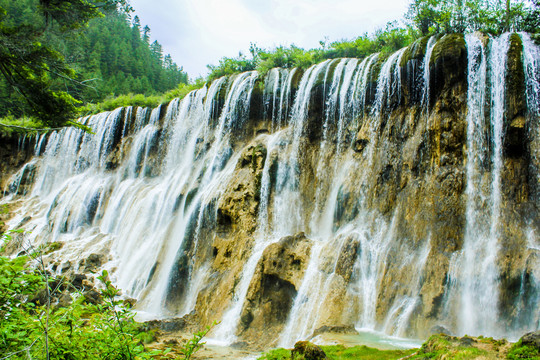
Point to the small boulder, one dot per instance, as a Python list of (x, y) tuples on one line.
[(439, 329), (335, 329), (532, 339), (92, 297), (308, 350), (93, 262)]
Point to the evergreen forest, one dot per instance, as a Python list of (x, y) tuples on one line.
[(76, 52)]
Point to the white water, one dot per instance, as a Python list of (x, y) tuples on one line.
[(474, 271), (426, 85)]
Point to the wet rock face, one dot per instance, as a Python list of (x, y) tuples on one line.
[(273, 288), (232, 242), (14, 153), (237, 207)]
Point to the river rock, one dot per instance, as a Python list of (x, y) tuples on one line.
[(532, 339), (308, 351)]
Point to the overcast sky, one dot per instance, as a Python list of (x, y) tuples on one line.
[(200, 32)]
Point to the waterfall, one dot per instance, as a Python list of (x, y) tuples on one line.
[(474, 271), (346, 162), (426, 78), (531, 60)]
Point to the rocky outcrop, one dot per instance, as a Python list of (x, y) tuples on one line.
[(236, 218), (273, 288), (15, 152)]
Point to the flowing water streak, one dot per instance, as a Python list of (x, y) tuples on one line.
[(427, 58), (531, 64), (476, 267), (324, 172), (477, 225), (362, 86), (276, 96), (213, 176), (146, 210), (382, 97), (225, 332), (304, 314), (284, 100), (346, 104), (300, 322), (397, 319), (272, 88), (335, 174), (202, 199), (288, 219), (234, 110), (287, 206)]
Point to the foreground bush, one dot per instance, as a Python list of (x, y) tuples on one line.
[(32, 327)]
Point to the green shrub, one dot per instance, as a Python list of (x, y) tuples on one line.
[(31, 329), (520, 351)]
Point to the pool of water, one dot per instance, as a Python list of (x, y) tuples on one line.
[(369, 338)]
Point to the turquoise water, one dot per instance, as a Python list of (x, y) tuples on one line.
[(369, 338)]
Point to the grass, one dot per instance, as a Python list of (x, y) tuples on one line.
[(340, 352), (520, 351), (151, 101), (10, 125)]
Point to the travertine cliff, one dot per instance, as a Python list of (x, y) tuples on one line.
[(396, 193)]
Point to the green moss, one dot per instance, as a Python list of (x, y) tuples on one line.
[(415, 51), (451, 45), (520, 351), (54, 246), (340, 352), (276, 354), (364, 352)]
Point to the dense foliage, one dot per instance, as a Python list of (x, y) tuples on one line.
[(390, 39), (55, 54), (491, 16), (116, 58), (424, 17), (102, 327)]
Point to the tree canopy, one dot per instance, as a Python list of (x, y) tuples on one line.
[(490, 16), (57, 54)]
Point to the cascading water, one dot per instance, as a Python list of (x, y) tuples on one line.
[(148, 193), (477, 275), (426, 78), (474, 271), (531, 60)]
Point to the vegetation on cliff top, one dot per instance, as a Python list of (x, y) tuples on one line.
[(424, 18)]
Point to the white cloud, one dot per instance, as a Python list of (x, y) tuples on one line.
[(200, 32)]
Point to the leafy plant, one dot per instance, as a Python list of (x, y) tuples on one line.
[(32, 327), (520, 351), (194, 344)]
